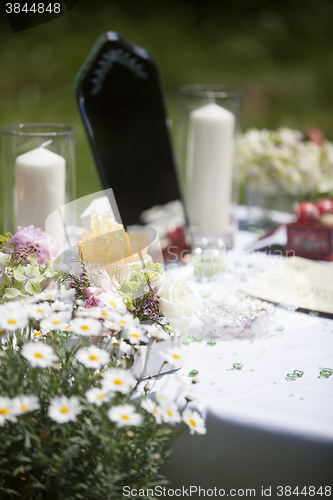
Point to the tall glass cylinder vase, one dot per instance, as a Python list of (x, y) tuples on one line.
[(208, 125), (38, 164)]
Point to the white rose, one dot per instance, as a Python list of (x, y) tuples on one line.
[(178, 303)]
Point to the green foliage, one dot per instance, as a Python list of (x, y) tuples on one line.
[(88, 459), (135, 285), (4, 238)]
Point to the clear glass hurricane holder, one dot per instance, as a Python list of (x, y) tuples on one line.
[(38, 164), (208, 126)]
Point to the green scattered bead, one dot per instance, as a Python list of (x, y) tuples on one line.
[(280, 328), (237, 366), (193, 373), (291, 376), (205, 294), (190, 338), (299, 373), (186, 342), (314, 314), (196, 338), (326, 372), (211, 342)]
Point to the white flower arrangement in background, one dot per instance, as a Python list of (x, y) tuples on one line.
[(288, 160)]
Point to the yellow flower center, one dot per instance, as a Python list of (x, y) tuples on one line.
[(169, 413), (136, 335), (56, 322), (40, 310), (112, 303), (125, 417), (3, 411), (93, 357), (122, 321), (104, 314), (100, 396), (48, 296), (85, 327), (38, 333), (39, 355), (193, 422), (12, 321), (24, 407), (175, 356), (118, 382), (64, 409)]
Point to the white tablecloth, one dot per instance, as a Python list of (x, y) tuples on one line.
[(262, 430)]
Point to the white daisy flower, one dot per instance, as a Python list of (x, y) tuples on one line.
[(85, 326), (156, 332), (124, 415), (162, 398), (16, 305), (124, 347), (38, 354), (91, 312), (194, 421), (58, 306), (7, 410), (93, 357), (48, 295), (98, 396), (107, 314), (153, 408), (25, 404), (112, 301), (135, 335), (3, 334), (173, 356), (118, 380), (37, 311), (12, 320), (170, 413), (126, 320), (112, 323), (63, 409), (56, 321)]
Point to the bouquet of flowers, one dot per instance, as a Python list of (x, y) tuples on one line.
[(74, 421), (286, 160)]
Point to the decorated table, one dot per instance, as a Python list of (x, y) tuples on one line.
[(263, 431)]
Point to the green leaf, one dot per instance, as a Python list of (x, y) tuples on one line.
[(5, 279), (32, 286), (32, 258), (12, 292), (19, 274), (4, 259)]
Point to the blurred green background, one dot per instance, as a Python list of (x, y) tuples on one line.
[(279, 52)]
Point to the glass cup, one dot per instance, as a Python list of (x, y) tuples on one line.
[(208, 126), (38, 163)]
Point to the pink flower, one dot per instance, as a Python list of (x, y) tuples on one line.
[(314, 135), (30, 240), (105, 282), (92, 294)]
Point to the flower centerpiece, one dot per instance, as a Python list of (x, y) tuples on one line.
[(284, 163), (75, 422)]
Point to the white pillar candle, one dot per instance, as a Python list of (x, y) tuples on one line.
[(209, 168), (40, 187)]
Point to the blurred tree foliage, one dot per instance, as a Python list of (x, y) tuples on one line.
[(280, 52)]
